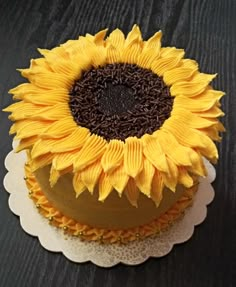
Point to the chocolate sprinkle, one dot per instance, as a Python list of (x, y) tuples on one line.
[(117, 101)]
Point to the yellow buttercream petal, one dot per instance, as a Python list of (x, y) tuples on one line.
[(192, 138), (157, 188), (68, 68), (131, 53), (73, 141), (92, 150), (144, 178), (170, 146), (41, 161), (24, 89), (96, 54), (21, 110), (171, 52), (26, 143), (193, 104), (197, 163), (78, 185), (161, 65), (210, 94), (99, 37), (104, 187), (185, 178), (133, 156), (42, 147), (118, 178), (192, 120), (154, 42), (147, 57), (39, 62), (55, 174), (116, 39), (170, 179), (190, 64), (131, 192), (213, 112), (50, 81), (113, 55), (52, 113), (57, 51), (180, 154), (29, 128), (48, 97), (212, 132), (154, 153), (63, 160), (192, 88), (90, 175), (60, 128), (113, 155), (178, 74), (134, 34)]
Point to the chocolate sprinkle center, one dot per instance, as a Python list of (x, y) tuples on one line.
[(117, 101)]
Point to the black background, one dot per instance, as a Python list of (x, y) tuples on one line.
[(206, 30)]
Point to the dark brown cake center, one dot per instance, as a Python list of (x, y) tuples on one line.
[(120, 100)]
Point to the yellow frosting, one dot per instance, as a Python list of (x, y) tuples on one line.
[(168, 157)]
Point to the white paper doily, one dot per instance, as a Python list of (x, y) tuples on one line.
[(53, 239)]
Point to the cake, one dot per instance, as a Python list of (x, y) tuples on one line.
[(115, 130)]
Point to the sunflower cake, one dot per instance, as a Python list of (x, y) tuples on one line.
[(115, 129)]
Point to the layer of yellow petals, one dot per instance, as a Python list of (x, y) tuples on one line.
[(167, 157)]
